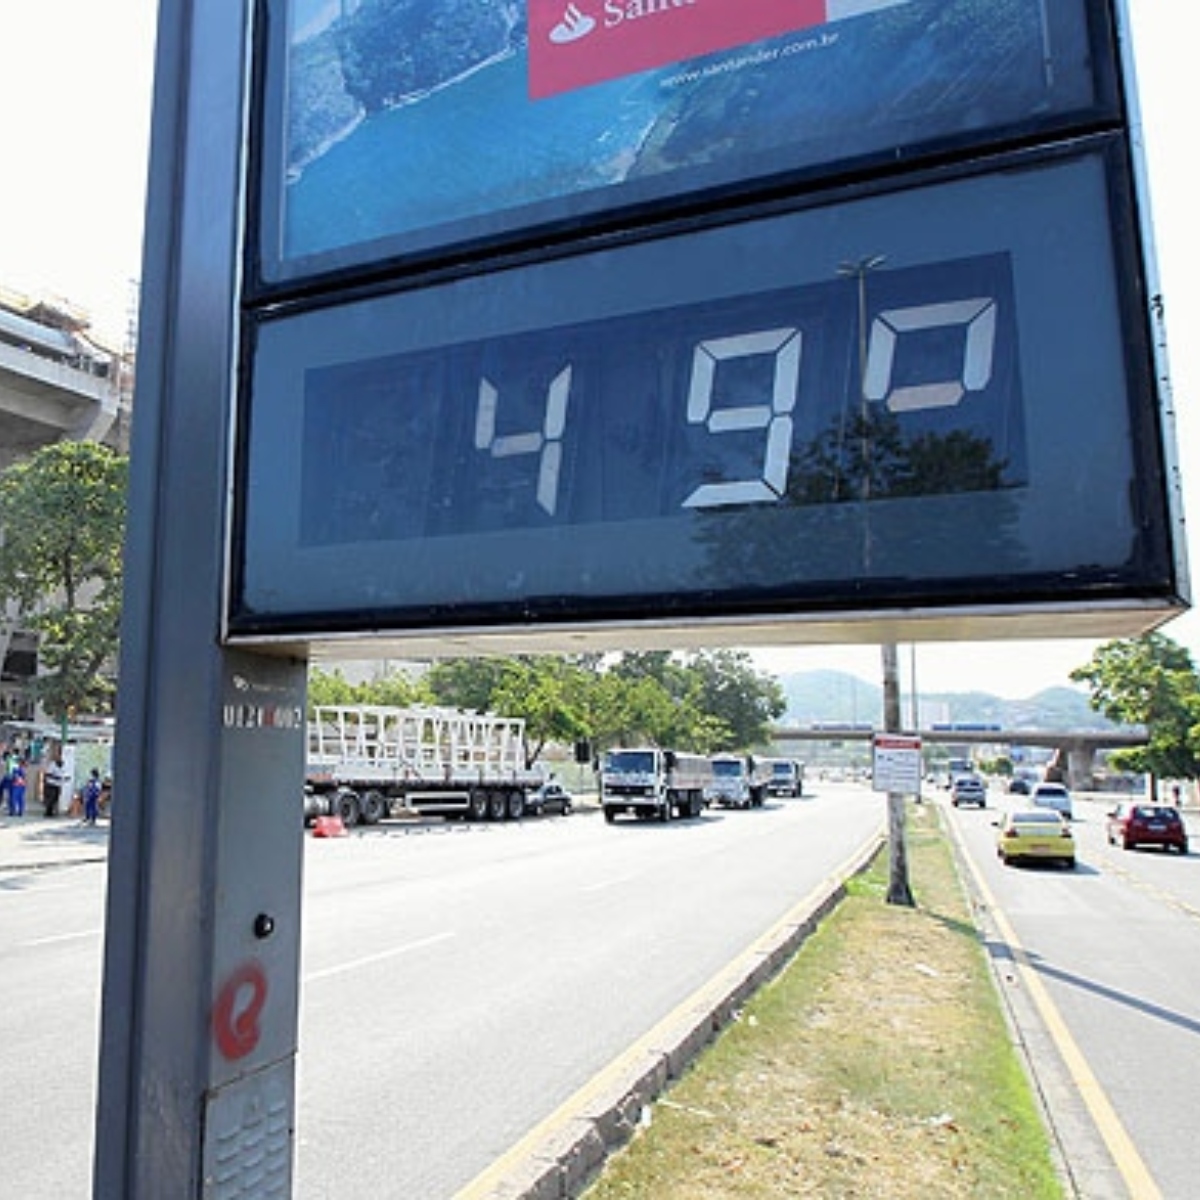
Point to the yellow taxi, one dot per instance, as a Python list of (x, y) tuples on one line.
[(1042, 835)]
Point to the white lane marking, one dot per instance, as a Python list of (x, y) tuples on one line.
[(65, 937), (395, 952)]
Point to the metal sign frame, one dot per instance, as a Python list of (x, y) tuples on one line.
[(369, 502)]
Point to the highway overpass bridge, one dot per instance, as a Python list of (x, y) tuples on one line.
[(1074, 750), (56, 384)]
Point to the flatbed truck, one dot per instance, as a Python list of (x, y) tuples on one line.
[(369, 762)]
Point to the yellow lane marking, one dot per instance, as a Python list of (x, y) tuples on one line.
[(1128, 1161), (1109, 863)]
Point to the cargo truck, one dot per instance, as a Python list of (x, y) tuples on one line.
[(368, 762), (786, 777), (653, 784), (738, 781)]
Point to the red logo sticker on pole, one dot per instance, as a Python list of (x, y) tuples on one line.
[(574, 43), (237, 1009)]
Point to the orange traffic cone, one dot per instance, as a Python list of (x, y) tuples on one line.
[(328, 827)]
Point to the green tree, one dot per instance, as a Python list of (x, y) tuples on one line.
[(62, 517), (548, 694), (726, 688), (396, 690), (1149, 680), (466, 683), (329, 688)]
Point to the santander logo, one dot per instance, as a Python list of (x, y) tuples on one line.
[(575, 43), (572, 27), (576, 24)]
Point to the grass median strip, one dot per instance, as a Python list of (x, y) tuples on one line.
[(877, 1064)]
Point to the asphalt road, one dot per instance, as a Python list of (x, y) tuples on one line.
[(459, 982), (1109, 958)]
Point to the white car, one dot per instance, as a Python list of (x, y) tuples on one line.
[(1055, 796), (968, 789)]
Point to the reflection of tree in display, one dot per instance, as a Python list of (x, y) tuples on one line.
[(870, 456), (940, 513)]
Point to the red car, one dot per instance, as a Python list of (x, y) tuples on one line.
[(1147, 825)]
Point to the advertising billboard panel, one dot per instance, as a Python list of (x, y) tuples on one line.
[(399, 131)]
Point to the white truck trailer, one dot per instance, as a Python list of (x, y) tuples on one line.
[(738, 781), (653, 784), (367, 762)]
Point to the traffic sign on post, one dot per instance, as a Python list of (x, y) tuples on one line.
[(896, 763), (472, 325)]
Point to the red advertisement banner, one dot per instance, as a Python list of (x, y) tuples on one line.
[(574, 43)]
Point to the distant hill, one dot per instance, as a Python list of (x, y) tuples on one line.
[(828, 696)]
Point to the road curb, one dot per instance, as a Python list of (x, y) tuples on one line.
[(560, 1156)]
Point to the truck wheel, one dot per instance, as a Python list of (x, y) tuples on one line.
[(609, 816), (664, 813), (374, 808), (477, 805), (516, 805), (497, 806), (345, 805)]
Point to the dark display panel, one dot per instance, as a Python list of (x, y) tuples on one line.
[(908, 398), (401, 129), (751, 402)]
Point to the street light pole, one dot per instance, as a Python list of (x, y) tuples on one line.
[(899, 891)]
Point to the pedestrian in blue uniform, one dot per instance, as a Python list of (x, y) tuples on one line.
[(16, 789), (91, 797), (7, 762)]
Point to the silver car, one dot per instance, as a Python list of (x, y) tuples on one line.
[(968, 789), (1055, 796)]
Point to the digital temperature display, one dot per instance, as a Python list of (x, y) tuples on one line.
[(726, 404), (923, 397)]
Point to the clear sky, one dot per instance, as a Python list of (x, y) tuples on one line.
[(75, 80)]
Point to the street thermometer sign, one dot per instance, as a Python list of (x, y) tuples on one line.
[(570, 323), (479, 325)]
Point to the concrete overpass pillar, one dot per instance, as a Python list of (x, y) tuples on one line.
[(1074, 765), (1081, 762)]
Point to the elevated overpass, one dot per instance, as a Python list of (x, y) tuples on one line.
[(1075, 750), (56, 384)]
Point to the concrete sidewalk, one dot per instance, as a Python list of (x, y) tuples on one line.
[(34, 842)]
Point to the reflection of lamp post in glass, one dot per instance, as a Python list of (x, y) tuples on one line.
[(858, 271), (898, 888)]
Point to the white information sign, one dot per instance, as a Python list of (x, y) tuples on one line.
[(896, 763)]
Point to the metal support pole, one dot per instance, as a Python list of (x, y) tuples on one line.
[(200, 995), (899, 891)]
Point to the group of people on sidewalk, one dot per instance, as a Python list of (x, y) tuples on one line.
[(14, 785)]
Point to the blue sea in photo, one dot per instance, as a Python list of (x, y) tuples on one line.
[(468, 143)]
